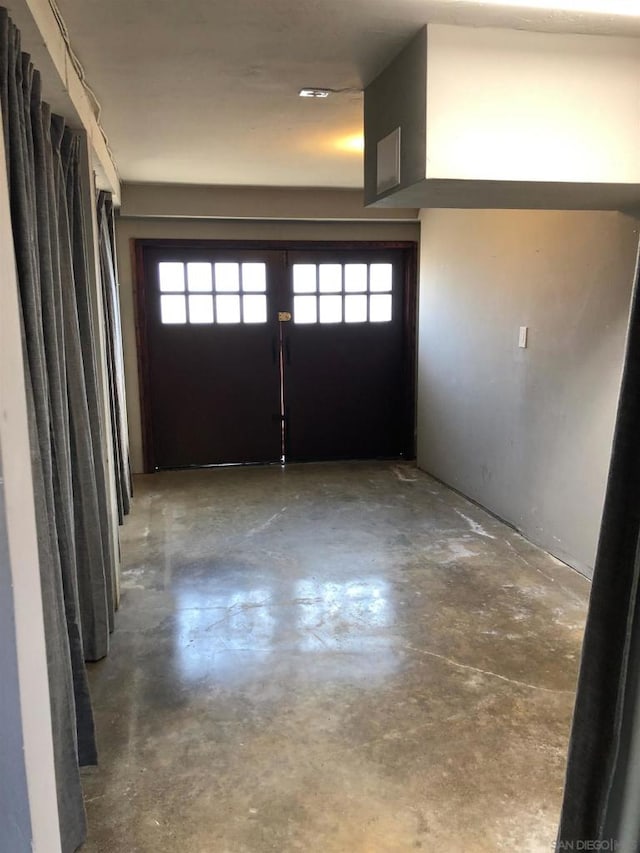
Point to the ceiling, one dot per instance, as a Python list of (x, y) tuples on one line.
[(205, 91)]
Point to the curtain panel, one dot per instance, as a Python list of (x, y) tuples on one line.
[(67, 433), (602, 790), (115, 361)]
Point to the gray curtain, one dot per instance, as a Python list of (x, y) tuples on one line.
[(71, 159), (111, 304), (67, 436), (95, 576), (602, 790)]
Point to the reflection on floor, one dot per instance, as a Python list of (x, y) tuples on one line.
[(336, 658)]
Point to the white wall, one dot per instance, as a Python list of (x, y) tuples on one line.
[(525, 432), (522, 106), (15, 818), (129, 229)]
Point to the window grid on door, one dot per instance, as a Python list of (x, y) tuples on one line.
[(342, 293), (204, 293)]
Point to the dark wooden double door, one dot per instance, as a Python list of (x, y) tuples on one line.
[(254, 354)]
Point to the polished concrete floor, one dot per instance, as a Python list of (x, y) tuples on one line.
[(336, 658)]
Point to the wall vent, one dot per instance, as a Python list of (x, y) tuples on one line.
[(388, 171)]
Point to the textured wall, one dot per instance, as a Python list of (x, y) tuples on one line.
[(525, 432)]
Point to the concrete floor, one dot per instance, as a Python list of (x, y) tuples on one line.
[(336, 658)]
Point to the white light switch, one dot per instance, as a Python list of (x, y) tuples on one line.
[(523, 337)]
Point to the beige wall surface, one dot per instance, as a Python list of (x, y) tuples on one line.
[(496, 111), (525, 432), (158, 201), (218, 229)]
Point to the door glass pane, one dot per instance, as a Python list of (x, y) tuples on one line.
[(199, 277), (171, 275), (355, 278), (227, 278), (304, 279), (228, 309), (380, 308), (355, 308), (330, 279), (201, 309), (254, 309), (173, 309), (380, 277), (254, 277), (305, 309), (331, 309)]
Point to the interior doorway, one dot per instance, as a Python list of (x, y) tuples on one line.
[(264, 353)]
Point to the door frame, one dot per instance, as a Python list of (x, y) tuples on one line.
[(409, 316)]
